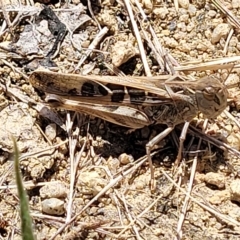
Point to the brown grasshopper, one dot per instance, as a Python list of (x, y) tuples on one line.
[(134, 102)]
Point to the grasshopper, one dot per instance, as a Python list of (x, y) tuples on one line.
[(134, 102)]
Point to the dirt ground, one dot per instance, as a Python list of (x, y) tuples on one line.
[(93, 174)]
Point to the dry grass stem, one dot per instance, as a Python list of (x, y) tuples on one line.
[(79, 134), (92, 46), (233, 20), (138, 38)]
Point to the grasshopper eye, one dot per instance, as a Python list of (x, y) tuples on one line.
[(210, 94)]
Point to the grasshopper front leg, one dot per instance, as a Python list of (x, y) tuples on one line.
[(149, 147), (157, 139), (181, 141)]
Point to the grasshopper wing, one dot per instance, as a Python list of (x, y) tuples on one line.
[(120, 115)]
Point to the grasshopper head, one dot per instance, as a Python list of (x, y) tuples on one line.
[(211, 96)]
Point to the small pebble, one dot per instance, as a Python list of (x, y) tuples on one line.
[(54, 190), (212, 13), (53, 206), (190, 26), (215, 179), (51, 131), (171, 42), (172, 25), (221, 30), (113, 164), (184, 3), (184, 18), (148, 6), (234, 141), (92, 182), (219, 197), (233, 42), (235, 190), (235, 3), (122, 51), (161, 12), (125, 158), (192, 10)]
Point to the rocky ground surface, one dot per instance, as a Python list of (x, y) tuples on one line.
[(95, 171)]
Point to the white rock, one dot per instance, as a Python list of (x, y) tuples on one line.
[(215, 179), (192, 10), (148, 6), (220, 31), (122, 51), (161, 12), (235, 3), (51, 131), (212, 13), (235, 190), (53, 206), (54, 190), (125, 158), (184, 3)]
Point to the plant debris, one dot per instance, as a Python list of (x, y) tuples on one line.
[(89, 179)]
